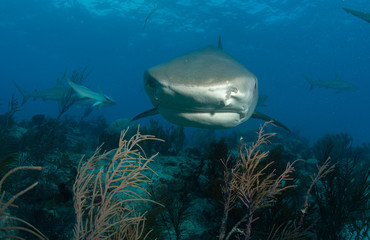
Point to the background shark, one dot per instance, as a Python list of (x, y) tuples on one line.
[(67, 96), (94, 99), (56, 93), (337, 84), (34, 52)]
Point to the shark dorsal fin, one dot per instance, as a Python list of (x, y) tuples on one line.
[(59, 83), (101, 92), (338, 78), (219, 42)]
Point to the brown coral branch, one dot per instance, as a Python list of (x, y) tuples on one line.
[(249, 184), (108, 187)]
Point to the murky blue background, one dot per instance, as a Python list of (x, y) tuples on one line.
[(279, 41)]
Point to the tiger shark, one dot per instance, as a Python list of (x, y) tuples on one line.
[(206, 88)]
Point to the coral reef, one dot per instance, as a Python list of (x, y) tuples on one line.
[(107, 189), (209, 185), (342, 198)]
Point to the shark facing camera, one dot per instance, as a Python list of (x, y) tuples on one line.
[(206, 88)]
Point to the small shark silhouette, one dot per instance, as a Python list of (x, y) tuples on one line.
[(363, 15), (337, 84), (79, 94), (96, 99), (54, 94)]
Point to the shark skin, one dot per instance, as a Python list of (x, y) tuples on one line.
[(337, 84), (363, 15), (80, 95), (53, 94), (206, 88), (94, 98)]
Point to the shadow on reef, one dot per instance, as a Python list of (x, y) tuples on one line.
[(8, 142), (208, 187), (173, 137), (342, 200)]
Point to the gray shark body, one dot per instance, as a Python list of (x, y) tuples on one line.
[(60, 92), (95, 99), (337, 84), (206, 88), (51, 94)]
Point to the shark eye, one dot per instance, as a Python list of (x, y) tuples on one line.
[(151, 82)]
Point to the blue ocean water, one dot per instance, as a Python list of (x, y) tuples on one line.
[(279, 41)]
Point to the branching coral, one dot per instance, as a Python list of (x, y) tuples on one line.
[(343, 197), (106, 189), (248, 184), (8, 223)]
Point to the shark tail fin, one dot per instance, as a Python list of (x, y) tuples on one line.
[(24, 93), (264, 117), (312, 84)]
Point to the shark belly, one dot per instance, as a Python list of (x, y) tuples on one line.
[(216, 120)]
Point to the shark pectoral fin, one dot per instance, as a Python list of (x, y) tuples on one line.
[(98, 103), (264, 117), (363, 15), (150, 112)]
